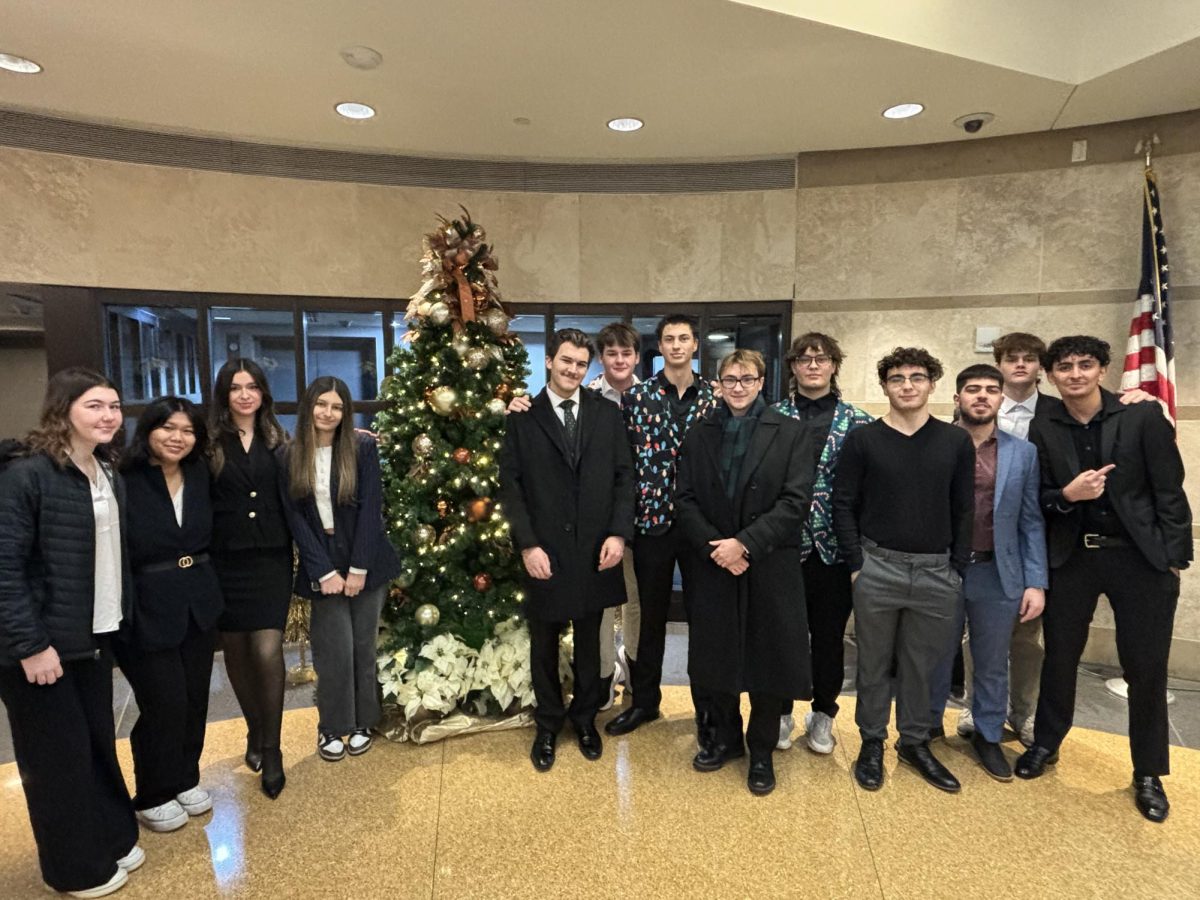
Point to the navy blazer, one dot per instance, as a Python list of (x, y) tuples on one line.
[(359, 540), (164, 599), (1018, 528)]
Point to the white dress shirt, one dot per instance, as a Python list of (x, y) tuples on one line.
[(557, 402), (607, 391), (323, 463), (1015, 416), (106, 606)]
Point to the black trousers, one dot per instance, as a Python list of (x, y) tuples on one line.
[(1143, 602), (830, 602), (764, 721), (547, 688), (171, 689), (65, 744), (654, 560)]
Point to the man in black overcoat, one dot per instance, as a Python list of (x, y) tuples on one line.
[(566, 488), (745, 480)]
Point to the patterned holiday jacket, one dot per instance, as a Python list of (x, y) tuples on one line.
[(656, 437), (818, 530)]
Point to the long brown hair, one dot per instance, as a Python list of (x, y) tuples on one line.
[(220, 419), (302, 454), (52, 435)]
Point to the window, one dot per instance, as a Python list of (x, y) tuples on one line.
[(346, 345), (263, 335), (152, 351)]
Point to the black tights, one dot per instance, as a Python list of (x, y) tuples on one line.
[(254, 661)]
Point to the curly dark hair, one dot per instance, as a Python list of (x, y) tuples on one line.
[(910, 356), (1076, 345), (822, 343)]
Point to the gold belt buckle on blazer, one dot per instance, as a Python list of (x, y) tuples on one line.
[(1091, 542), (185, 562)]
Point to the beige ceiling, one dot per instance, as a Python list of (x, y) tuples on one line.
[(713, 79)]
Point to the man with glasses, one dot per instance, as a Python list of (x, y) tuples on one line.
[(815, 360), (744, 477), (903, 503)]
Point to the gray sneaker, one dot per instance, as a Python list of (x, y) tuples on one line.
[(786, 725), (966, 724), (818, 732), (1023, 731), (166, 817)]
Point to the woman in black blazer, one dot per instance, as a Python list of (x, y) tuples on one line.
[(252, 553), (333, 496), (167, 652)]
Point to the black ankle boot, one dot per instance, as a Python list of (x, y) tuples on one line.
[(253, 757), (273, 778)]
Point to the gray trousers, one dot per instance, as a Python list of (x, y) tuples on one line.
[(1025, 657), (904, 610), (631, 621), (343, 632)]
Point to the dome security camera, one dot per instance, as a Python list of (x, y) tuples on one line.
[(973, 123)]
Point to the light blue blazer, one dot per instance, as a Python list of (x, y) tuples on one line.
[(1020, 530)]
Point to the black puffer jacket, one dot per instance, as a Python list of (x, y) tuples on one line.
[(47, 557)]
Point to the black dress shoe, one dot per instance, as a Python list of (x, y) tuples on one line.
[(991, 757), (273, 778), (922, 759), (761, 779), (1150, 798), (542, 752), (589, 743), (714, 756), (630, 719), (937, 733), (868, 769), (1033, 762)]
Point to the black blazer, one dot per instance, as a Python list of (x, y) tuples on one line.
[(247, 507), (359, 540), (568, 504), (748, 632), (1145, 488), (164, 599)]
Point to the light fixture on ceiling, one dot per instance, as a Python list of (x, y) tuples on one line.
[(903, 111), (354, 110), (716, 337), (360, 57), (626, 123), (18, 64)]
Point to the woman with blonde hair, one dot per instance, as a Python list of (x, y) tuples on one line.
[(64, 592)]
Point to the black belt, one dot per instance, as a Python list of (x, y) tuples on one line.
[(184, 562), (1104, 541), (981, 556)]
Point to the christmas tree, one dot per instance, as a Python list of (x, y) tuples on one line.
[(450, 636)]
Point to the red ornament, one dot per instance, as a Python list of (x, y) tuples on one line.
[(482, 582), (462, 456)]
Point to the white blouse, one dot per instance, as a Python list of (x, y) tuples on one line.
[(106, 607), (177, 502), (323, 461)]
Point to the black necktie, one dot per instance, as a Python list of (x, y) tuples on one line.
[(569, 423)]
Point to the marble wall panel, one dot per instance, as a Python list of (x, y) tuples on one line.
[(998, 236), (850, 331), (391, 223), (833, 242), (650, 247), (316, 230), (1179, 189), (537, 239), (237, 245), (1092, 227), (912, 239), (758, 245)]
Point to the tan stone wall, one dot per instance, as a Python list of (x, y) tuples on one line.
[(879, 262)]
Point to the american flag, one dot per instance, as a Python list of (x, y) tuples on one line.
[(1150, 353)]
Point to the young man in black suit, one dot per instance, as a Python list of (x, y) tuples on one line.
[(566, 488), (1118, 524)]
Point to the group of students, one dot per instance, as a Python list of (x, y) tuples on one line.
[(784, 519), (150, 557)]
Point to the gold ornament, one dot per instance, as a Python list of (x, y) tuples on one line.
[(496, 352), (425, 534), (481, 461), (476, 358), (495, 406), (461, 343), (495, 320), (504, 391), (406, 578), (422, 445), (427, 615), (439, 313), (443, 507), (478, 509), (443, 399), (423, 308)]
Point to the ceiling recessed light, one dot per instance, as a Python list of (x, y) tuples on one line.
[(19, 64), (625, 124), (717, 337), (351, 110), (903, 111)]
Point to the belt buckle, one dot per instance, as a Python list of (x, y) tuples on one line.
[(1091, 542), (186, 562)]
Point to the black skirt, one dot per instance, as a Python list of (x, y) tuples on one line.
[(257, 585)]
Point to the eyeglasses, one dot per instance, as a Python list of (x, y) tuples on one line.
[(916, 380), (746, 381), (806, 361)]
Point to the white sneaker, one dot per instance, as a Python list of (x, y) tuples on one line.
[(167, 817), (1023, 730), (818, 732), (966, 724), (359, 743), (133, 859), (330, 747), (619, 668), (101, 890), (195, 801), (612, 692), (623, 666), (786, 724)]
